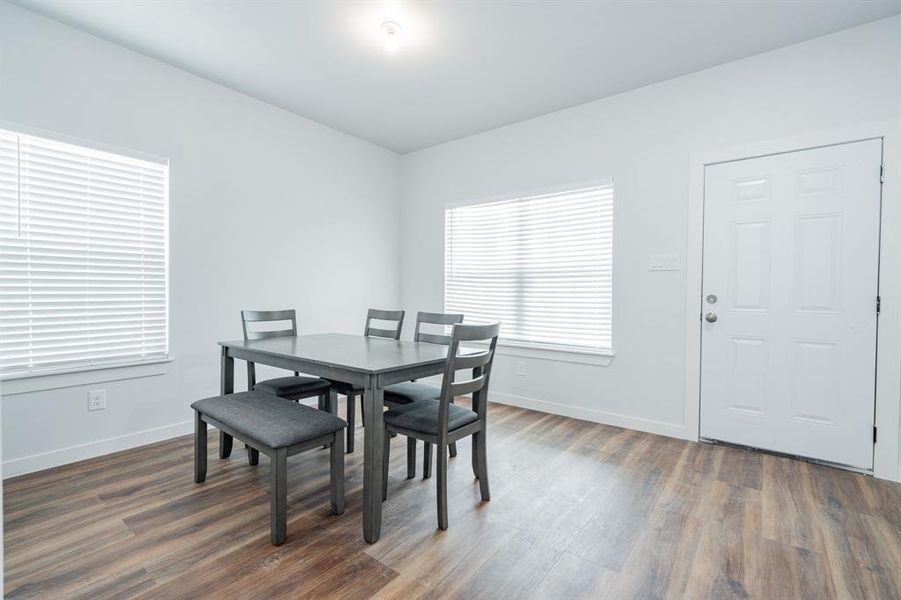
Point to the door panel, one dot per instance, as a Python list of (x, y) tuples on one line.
[(791, 251)]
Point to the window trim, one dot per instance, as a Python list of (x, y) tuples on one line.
[(23, 383), (600, 356), (32, 381)]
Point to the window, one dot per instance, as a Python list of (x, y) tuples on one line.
[(83, 257), (541, 265)]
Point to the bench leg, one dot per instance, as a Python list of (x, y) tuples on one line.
[(411, 458), (225, 445), (199, 448), (336, 474), (426, 460), (279, 496), (351, 417), (253, 456)]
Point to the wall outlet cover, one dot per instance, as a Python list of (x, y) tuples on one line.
[(97, 400)]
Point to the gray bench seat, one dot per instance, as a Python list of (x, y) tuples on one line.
[(272, 421), (277, 428)]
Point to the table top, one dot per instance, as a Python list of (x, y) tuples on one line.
[(353, 352)]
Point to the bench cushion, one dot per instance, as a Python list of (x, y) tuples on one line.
[(273, 421), (422, 416), (289, 387), (411, 391)]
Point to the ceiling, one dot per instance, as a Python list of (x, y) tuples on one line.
[(461, 67)]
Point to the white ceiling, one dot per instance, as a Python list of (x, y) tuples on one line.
[(462, 67)]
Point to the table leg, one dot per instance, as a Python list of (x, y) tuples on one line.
[(226, 386), (374, 433)]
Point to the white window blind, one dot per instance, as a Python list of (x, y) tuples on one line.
[(83, 265), (540, 265)]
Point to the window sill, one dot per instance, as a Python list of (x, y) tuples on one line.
[(36, 382), (601, 358)]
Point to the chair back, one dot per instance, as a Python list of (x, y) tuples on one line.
[(435, 319), (374, 314), (480, 362), (248, 317)]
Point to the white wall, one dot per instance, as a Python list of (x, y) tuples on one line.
[(644, 140), (268, 210)]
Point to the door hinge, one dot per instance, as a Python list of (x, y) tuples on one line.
[(878, 304), (881, 173), (874, 434)]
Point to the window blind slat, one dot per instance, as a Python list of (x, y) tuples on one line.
[(542, 265), (83, 266)]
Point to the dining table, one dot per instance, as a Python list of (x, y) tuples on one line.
[(370, 362)]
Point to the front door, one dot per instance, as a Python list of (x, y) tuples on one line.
[(790, 283)]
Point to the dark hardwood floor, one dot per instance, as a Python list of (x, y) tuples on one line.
[(578, 510)]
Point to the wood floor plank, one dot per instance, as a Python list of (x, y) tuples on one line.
[(578, 510), (575, 578)]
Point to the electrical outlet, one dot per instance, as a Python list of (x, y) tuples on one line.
[(97, 400), (520, 367), (664, 262)]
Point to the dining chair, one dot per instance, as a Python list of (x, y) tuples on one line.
[(442, 422), (353, 391), (409, 392), (295, 388)]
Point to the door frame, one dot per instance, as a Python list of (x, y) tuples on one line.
[(887, 450)]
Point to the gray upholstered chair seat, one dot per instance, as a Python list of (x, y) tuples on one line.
[(272, 421), (299, 385), (411, 391), (422, 416)]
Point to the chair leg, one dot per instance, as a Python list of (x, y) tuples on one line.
[(225, 445), (362, 411), (336, 474), (475, 457), (453, 449), (479, 443), (253, 456), (325, 405), (351, 417), (385, 459), (411, 458), (199, 448), (278, 513), (441, 459), (426, 460)]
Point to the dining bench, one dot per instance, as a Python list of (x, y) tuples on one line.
[(277, 428)]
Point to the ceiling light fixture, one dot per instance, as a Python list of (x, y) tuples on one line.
[(391, 31)]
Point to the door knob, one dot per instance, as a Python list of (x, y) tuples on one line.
[(710, 317)]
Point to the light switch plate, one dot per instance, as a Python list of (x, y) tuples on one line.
[(664, 262)]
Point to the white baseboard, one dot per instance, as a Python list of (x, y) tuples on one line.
[(596, 416), (63, 456)]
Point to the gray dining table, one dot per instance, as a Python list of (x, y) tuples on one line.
[(369, 362)]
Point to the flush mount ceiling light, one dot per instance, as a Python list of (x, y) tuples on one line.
[(391, 31)]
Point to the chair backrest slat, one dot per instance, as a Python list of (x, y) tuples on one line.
[(458, 388), (480, 363), (471, 361), (265, 335), (261, 316), (375, 314), (430, 318)]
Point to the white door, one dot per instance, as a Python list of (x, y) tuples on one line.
[(791, 254)]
